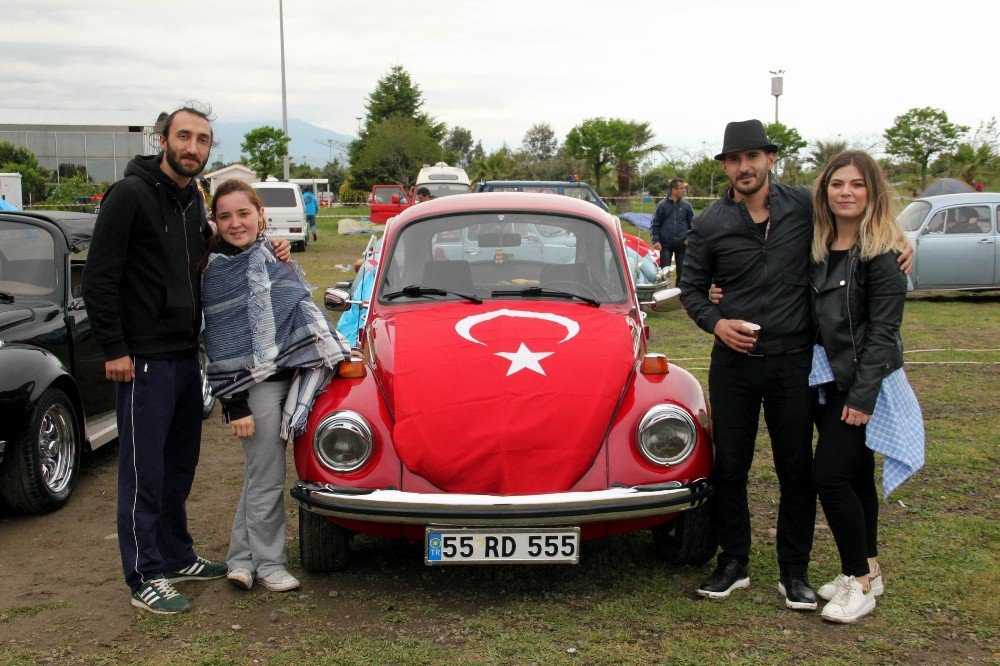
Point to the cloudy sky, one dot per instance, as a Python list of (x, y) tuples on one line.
[(498, 67)]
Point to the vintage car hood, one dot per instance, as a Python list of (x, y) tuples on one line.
[(503, 400), (13, 314)]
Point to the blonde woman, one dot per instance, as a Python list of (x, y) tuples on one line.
[(858, 296)]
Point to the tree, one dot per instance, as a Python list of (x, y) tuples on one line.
[(393, 153), (265, 148), (498, 165), (706, 177), (976, 160), (458, 147), (23, 161), (789, 143), (592, 141), (632, 143), (73, 187), (824, 150), (921, 133), (540, 142)]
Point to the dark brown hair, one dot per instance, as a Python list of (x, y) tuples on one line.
[(231, 186)]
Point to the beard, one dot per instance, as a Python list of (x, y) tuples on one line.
[(752, 189), (174, 160)]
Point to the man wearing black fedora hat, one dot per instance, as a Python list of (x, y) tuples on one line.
[(754, 243)]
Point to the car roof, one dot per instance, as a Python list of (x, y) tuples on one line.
[(536, 183), (275, 183), (962, 198), (512, 202), (77, 227)]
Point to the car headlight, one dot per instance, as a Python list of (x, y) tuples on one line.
[(343, 441), (667, 435)]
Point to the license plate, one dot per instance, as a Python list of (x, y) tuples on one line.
[(504, 546)]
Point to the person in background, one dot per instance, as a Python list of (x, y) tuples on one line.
[(670, 226), (312, 209), (265, 338), (141, 289), (423, 194), (857, 303)]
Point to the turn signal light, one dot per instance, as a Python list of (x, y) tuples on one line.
[(351, 369), (654, 364)]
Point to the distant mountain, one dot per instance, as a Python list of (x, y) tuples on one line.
[(306, 141)]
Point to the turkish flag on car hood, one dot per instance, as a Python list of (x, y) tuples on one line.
[(506, 401)]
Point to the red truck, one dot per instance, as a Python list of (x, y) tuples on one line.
[(388, 201)]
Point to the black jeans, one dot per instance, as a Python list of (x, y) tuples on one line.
[(673, 250), (739, 385), (844, 476)]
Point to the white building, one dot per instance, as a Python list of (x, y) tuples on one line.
[(237, 171)]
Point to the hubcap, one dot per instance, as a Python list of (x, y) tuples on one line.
[(57, 448)]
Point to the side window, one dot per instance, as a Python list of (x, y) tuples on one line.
[(937, 224), (968, 220)]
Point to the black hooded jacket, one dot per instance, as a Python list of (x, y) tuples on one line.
[(141, 282)]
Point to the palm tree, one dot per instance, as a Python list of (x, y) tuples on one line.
[(825, 150), (632, 142)]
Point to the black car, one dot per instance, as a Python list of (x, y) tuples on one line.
[(55, 402), (574, 189)]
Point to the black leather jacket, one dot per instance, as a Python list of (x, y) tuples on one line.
[(764, 280), (858, 309)]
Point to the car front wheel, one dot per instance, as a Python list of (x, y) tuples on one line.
[(323, 545), (43, 464), (687, 539)]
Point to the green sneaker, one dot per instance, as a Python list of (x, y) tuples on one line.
[(202, 569), (159, 596)]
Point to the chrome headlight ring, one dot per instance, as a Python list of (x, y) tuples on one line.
[(343, 441), (666, 435)]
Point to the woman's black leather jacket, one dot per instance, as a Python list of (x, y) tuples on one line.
[(858, 310)]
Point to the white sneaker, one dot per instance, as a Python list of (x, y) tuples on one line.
[(849, 603), (241, 577), (279, 581), (877, 587)]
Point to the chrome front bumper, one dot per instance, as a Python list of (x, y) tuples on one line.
[(394, 506)]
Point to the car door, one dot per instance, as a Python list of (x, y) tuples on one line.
[(957, 248)]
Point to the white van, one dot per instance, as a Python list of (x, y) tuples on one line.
[(443, 180), (285, 212)]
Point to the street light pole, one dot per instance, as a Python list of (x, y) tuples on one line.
[(284, 97), (777, 87)]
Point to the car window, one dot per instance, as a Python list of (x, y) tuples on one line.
[(27, 260), (961, 220), (277, 197), (385, 194), (487, 252), (445, 189), (913, 215)]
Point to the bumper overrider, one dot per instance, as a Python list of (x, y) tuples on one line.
[(394, 506)]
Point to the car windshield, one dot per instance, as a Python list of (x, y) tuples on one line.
[(27, 260), (444, 189), (498, 255), (913, 215), (277, 197)]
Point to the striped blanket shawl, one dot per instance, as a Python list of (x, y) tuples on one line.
[(259, 319)]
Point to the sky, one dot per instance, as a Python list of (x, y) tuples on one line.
[(497, 68)]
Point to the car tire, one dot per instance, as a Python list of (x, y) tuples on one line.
[(323, 546), (299, 246), (41, 468), (687, 539)]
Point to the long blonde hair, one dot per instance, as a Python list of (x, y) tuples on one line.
[(879, 230)]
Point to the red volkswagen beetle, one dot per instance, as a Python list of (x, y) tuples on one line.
[(504, 405)]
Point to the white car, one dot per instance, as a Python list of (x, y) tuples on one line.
[(285, 212)]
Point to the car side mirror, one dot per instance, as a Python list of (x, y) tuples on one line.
[(395, 198), (337, 300), (665, 300)]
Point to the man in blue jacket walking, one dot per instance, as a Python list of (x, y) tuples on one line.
[(312, 208), (670, 226)]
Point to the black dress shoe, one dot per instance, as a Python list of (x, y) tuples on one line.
[(798, 595), (728, 576)]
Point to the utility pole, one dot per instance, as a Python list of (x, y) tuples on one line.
[(777, 88), (284, 97)]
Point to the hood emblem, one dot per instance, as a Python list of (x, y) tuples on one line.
[(523, 358)]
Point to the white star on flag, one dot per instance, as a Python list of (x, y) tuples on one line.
[(524, 359)]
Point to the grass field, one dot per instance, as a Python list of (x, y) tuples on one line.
[(939, 543)]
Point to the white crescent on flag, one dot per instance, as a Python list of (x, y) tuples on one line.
[(464, 326)]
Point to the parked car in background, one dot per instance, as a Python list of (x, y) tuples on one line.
[(442, 180), (388, 201), (285, 212), (577, 190), (503, 405), (54, 398), (955, 238)]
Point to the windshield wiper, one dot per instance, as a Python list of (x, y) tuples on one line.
[(416, 291), (539, 291), (6, 298)]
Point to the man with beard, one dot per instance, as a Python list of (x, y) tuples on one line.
[(142, 291), (754, 243)]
